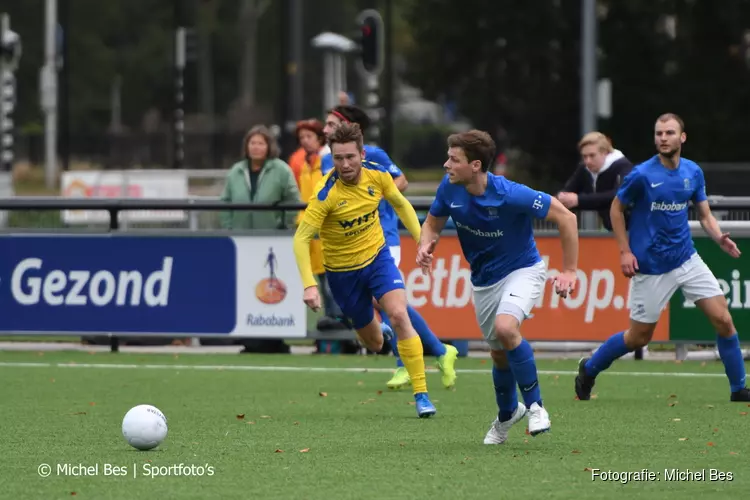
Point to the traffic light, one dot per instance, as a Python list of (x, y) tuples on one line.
[(371, 41)]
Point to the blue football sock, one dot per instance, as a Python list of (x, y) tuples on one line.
[(429, 340), (393, 340), (505, 392), (731, 356), (523, 366), (609, 351)]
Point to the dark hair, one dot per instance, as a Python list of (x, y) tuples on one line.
[(477, 145), (345, 133), (351, 114), (314, 126), (671, 116), (263, 131)]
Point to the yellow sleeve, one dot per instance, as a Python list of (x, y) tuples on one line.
[(316, 210), (401, 205), (305, 233)]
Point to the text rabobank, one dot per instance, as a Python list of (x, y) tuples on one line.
[(118, 284)]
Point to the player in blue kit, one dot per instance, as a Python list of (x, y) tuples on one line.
[(446, 354), (657, 253), (494, 222)]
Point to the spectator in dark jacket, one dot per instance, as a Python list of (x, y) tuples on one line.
[(595, 182)]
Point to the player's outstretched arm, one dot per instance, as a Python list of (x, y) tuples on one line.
[(431, 230), (711, 226), (567, 224), (403, 209)]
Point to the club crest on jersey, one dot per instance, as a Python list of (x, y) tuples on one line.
[(687, 184), (492, 212), (371, 190)]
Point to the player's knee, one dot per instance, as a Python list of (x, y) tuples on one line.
[(500, 359), (638, 336), (399, 318), (724, 324), (506, 331)]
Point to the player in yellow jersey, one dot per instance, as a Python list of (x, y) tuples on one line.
[(344, 212)]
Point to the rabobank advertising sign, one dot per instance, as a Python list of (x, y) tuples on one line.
[(148, 284)]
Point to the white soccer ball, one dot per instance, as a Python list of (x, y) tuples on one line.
[(144, 427)]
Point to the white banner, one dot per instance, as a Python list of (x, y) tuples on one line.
[(269, 289), (140, 184)]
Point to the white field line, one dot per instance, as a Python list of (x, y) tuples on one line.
[(325, 369)]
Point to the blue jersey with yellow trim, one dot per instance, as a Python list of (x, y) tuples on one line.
[(388, 217), (347, 217)]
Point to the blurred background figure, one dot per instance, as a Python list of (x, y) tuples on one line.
[(594, 183), (260, 177)]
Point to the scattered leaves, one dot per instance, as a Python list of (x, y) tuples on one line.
[(710, 443), (73, 493), (594, 396), (265, 416), (683, 439), (360, 383), (557, 377), (703, 363), (743, 413), (673, 403), (251, 422), (240, 416), (483, 362), (279, 450), (379, 393), (296, 423), (576, 452), (676, 420), (672, 396), (91, 403), (402, 444), (304, 450), (733, 453), (716, 430), (710, 407), (413, 403), (587, 469), (323, 394)]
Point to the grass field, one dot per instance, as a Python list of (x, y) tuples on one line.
[(325, 427)]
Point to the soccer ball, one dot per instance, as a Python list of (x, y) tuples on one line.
[(144, 427)]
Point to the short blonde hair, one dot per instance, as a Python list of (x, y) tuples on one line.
[(596, 139)]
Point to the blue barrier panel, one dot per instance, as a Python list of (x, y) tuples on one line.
[(117, 284)]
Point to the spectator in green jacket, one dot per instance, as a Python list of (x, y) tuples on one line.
[(260, 177)]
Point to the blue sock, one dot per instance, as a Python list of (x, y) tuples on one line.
[(393, 340), (428, 338), (609, 351), (505, 392), (734, 365), (523, 366)]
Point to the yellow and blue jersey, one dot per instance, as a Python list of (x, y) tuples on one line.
[(347, 217), (388, 217)]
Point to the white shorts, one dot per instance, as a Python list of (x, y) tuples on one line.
[(396, 254), (650, 293), (515, 295)]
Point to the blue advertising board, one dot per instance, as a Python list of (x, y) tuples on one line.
[(118, 284)]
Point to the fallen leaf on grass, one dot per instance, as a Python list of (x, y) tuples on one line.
[(292, 402), (304, 450), (716, 430), (413, 403), (733, 453), (743, 413), (683, 439), (40, 353), (402, 444), (576, 452), (278, 450), (79, 413), (526, 441), (710, 407), (322, 394), (673, 403), (73, 493), (709, 443), (251, 422), (379, 393), (241, 416), (360, 383), (676, 420), (92, 352), (678, 362), (703, 363), (296, 423), (587, 469), (483, 362), (594, 396), (672, 396), (265, 416), (557, 377), (91, 403), (52, 380)]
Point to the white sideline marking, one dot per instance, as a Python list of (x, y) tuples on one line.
[(325, 369)]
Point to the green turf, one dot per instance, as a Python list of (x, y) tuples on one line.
[(363, 441)]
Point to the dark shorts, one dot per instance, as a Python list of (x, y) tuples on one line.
[(354, 290)]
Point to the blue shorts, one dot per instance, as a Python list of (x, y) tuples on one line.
[(353, 290)]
